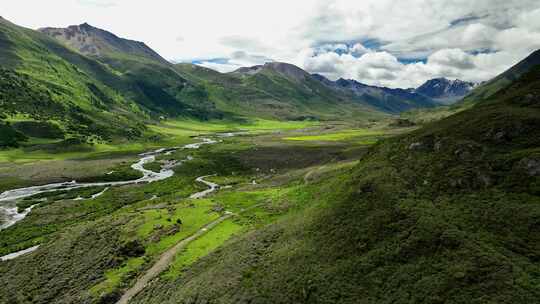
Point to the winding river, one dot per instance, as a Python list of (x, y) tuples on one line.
[(9, 213)]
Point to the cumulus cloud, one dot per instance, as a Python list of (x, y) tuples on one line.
[(97, 3), (472, 41), (384, 42), (244, 43), (234, 61), (452, 58), (384, 69)]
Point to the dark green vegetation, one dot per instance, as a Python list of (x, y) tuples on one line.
[(338, 212), (490, 88), (108, 97), (130, 227), (447, 214), (276, 91), (10, 137), (96, 87), (281, 90)]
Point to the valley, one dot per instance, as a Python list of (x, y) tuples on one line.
[(153, 217), (126, 177)]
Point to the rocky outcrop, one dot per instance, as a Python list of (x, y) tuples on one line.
[(93, 41)]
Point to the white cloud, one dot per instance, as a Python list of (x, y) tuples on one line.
[(358, 49), (452, 58), (97, 3), (383, 69), (530, 20), (220, 67), (363, 40)]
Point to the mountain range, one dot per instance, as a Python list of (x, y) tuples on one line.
[(333, 212), (445, 214), (93, 83)]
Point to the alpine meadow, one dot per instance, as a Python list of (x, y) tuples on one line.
[(317, 151)]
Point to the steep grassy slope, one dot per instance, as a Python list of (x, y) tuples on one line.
[(447, 214), (150, 79), (491, 87), (47, 82), (107, 97)]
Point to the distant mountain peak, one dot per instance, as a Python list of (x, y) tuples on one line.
[(445, 90), (248, 70), (381, 98), (288, 70), (350, 83), (93, 41)]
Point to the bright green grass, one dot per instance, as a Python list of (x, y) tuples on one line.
[(202, 247), (175, 133), (193, 218), (338, 136), (99, 149), (194, 127), (22, 156), (264, 125), (237, 201), (114, 277)]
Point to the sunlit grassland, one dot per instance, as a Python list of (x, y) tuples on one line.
[(193, 219), (340, 135), (189, 218), (252, 208), (202, 247), (159, 215), (193, 127), (172, 133), (22, 155)]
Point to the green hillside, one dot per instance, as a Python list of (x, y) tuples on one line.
[(447, 214), (276, 91), (313, 212), (490, 88), (192, 91), (95, 86), (147, 78), (44, 81)]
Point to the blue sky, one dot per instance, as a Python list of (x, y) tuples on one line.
[(380, 42)]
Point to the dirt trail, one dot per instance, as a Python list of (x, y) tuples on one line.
[(166, 259), (168, 256)]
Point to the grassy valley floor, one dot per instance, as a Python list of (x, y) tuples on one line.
[(92, 250)]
